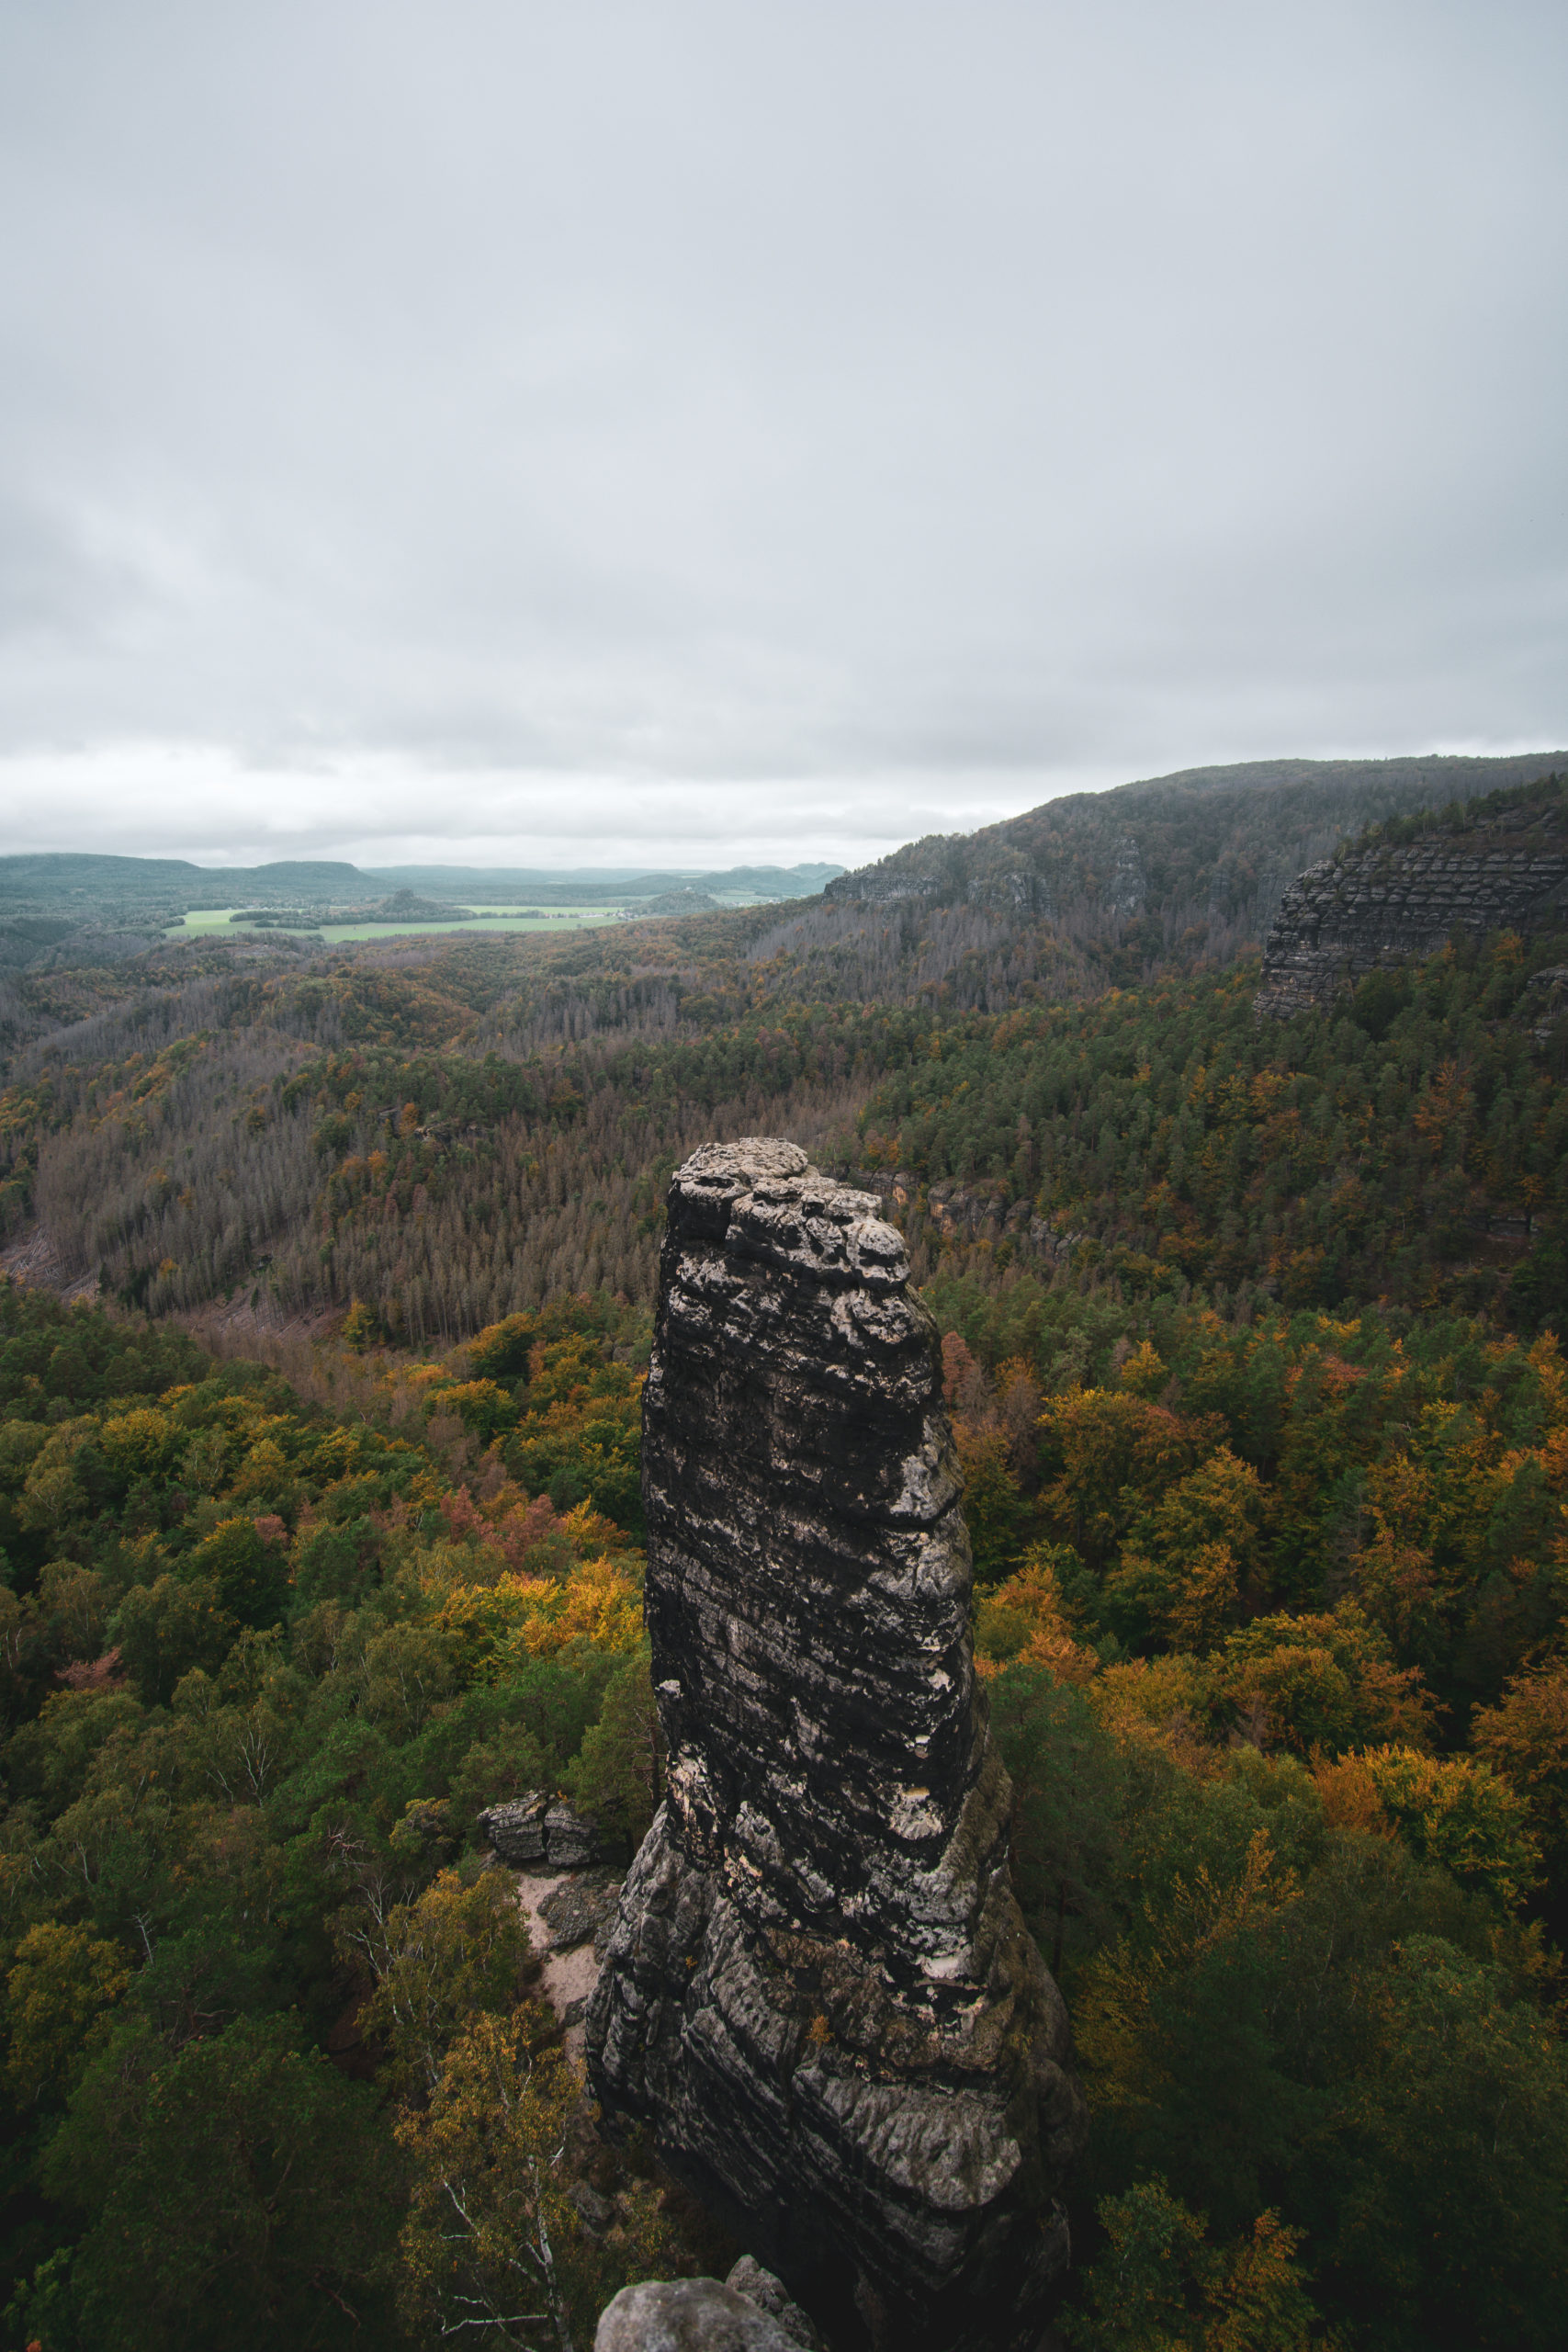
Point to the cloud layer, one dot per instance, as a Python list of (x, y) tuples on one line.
[(688, 430)]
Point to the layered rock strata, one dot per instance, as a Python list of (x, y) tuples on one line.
[(819, 1993), (1389, 902), (539, 1831)]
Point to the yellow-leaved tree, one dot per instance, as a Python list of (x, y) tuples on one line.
[(492, 2243), (1187, 1562), (494, 2247), (458, 1950), (1160, 2285), (60, 1998)]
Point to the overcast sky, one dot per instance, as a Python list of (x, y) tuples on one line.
[(492, 430)]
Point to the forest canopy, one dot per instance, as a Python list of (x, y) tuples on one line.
[(319, 1531)]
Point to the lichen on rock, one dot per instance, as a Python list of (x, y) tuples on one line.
[(820, 1992)]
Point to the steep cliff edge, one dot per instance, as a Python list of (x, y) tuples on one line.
[(1206, 844), (820, 1992), (1496, 867)]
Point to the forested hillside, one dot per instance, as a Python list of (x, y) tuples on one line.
[(1413, 1148), (1208, 849), (1272, 1609), (450, 1138), (1253, 1340)]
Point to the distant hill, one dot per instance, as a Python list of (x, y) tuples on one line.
[(586, 882), (49, 870), (1213, 847), (609, 882), (100, 908), (101, 889), (83, 881), (679, 902)]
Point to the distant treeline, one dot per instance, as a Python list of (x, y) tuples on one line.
[(450, 1138)]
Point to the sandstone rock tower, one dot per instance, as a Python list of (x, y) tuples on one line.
[(820, 1992)]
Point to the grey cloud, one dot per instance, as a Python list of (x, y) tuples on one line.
[(693, 421)]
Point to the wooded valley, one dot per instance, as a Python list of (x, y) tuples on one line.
[(321, 1521)]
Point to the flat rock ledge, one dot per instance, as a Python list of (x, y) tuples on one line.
[(819, 1992)]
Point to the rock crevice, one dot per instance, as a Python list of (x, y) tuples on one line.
[(820, 1992)]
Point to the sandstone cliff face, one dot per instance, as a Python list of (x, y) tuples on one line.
[(1384, 903), (820, 1992)]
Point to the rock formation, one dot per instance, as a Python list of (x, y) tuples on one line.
[(749, 2312), (819, 1993), (1387, 900), (770, 2294), (540, 1832), (688, 2315)]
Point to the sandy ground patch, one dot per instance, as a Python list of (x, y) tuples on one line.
[(570, 1975)]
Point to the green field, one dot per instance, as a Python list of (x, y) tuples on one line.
[(215, 922)]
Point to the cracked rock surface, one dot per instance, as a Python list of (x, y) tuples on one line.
[(819, 1991), (579, 1910), (540, 1829)]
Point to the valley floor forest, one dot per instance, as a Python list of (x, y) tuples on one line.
[(319, 1527)]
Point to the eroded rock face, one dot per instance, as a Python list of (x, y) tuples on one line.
[(820, 1992), (1387, 902), (770, 2294), (538, 1831)]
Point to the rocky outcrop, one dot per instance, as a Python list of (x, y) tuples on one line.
[(537, 1831), (688, 2315), (954, 875), (970, 870), (819, 1993), (1549, 1002), (580, 1907), (770, 2294), (1389, 899), (749, 2312)]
